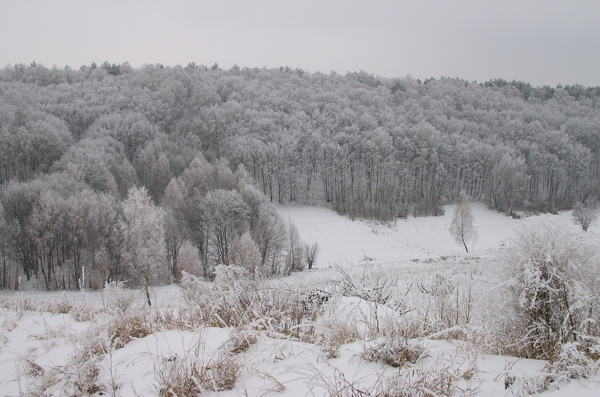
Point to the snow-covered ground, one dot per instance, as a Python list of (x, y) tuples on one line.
[(52, 351), (343, 240)]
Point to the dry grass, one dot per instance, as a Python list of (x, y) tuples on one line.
[(63, 306), (394, 352), (337, 385), (58, 332), (6, 303), (83, 312), (437, 306), (23, 304), (240, 341), (521, 385), (443, 378), (79, 376), (129, 325), (191, 374), (335, 333), (251, 304)]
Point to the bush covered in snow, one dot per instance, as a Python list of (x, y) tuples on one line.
[(553, 293)]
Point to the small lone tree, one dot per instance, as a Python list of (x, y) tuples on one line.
[(295, 252), (585, 215), (311, 251), (142, 228), (462, 228)]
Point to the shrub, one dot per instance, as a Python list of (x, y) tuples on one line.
[(576, 361), (116, 297), (553, 292)]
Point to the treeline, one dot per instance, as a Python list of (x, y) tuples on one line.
[(60, 230), (366, 146)]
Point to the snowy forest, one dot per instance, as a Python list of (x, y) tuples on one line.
[(112, 173)]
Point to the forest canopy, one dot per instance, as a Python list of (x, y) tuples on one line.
[(74, 143)]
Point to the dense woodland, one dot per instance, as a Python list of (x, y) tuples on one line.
[(97, 162)]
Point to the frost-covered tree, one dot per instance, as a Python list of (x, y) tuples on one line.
[(143, 235), (462, 228), (245, 253), (295, 250), (270, 235), (8, 270), (311, 252), (176, 231), (225, 216), (584, 215)]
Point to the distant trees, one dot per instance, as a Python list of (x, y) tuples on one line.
[(294, 260), (368, 147), (9, 272), (462, 228), (229, 222), (62, 226), (176, 232), (508, 181), (364, 146), (30, 141)]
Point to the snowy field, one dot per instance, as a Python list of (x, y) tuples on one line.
[(345, 241), (329, 331)]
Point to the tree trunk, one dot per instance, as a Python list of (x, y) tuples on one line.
[(147, 291)]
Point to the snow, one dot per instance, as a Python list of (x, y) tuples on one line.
[(278, 364), (134, 364), (345, 241)]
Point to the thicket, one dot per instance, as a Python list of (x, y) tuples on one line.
[(62, 232), (74, 142)]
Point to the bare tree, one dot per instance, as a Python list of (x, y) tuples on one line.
[(462, 228), (585, 215), (311, 251), (294, 258), (175, 230)]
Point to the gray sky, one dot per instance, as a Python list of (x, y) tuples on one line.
[(540, 41)]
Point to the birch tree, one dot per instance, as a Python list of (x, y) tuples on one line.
[(462, 228), (143, 235)]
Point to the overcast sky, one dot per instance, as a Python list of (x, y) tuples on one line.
[(540, 41)]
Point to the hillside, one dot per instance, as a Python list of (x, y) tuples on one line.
[(76, 144), (418, 302)]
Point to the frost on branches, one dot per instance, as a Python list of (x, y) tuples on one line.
[(143, 240), (462, 228), (553, 287)]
